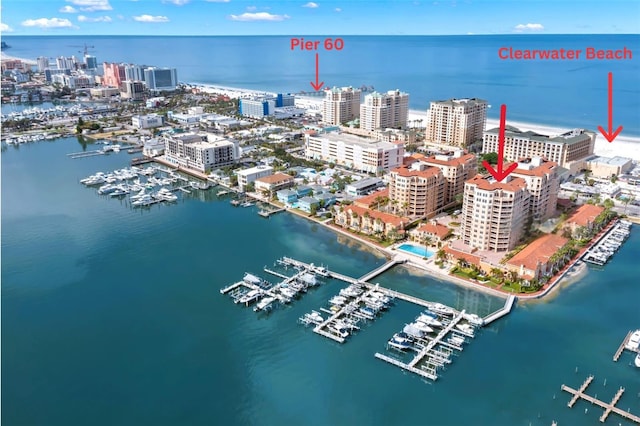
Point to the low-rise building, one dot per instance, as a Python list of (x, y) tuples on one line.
[(536, 259), (433, 230), (368, 221), (247, 176), (270, 184), (147, 121), (307, 204), (287, 196), (153, 148), (606, 167), (584, 216), (363, 186)]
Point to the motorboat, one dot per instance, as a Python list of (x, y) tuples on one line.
[(264, 304), (320, 270), (473, 319), (456, 340), (465, 328), (138, 195), (367, 312), (288, 292), (634, 341), (251, 279), (637, 361), (308, 279), (422, 327), (441, 309), (428, 320), (145, 200), (250, 297), (339, 329), (413, 331), (381, 297), (400, 341), (107, 189), (351, 291), (314, 317), (164, 194), (338, 300)]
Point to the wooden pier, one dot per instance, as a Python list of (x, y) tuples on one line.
[(608, 407), (623, 346)]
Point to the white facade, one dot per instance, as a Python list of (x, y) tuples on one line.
[(247, 176), (190, 150), (340, 105), (258, 107), (147, 121), (361, 154), (456, 122), (159, 79), (384, 110)]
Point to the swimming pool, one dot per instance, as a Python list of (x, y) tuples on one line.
[(417, 250)]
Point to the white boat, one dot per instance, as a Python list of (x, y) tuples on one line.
[(465, 328), (107, 189), (400, 341), (339, 329), (413, 331), (145, 200), (246, 204), (320, 270), (441, 309), (338, 300), (164, 194), (634, 341), (288, 292), (428, 320), (308, 279), (422, 327), (473, 319), (314, 317), (456, 340), (138, 195), (264, 304), (351, 291), (250, 297), (637, 361)]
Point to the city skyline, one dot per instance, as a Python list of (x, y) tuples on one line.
[(244, 17)]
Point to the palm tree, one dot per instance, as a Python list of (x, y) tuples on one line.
[(427, 241)]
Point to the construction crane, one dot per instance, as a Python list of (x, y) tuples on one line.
[(85, 48)]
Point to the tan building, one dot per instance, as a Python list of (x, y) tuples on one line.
[(416, 191), (568, 150), (494, 213), (541, 177), (368, 221), (456, 122), (340, 105), (457, 167), (384, 110), (584, 216), (433, 230), (534, 261), (270, 184), (605, 167)]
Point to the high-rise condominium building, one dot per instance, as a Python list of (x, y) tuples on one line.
[(194, 151), (384, 110), (568, 150), (494, 213), (457, 167), (340, 105), (456, 122), (541, 177), (417, 191), (113, 74), (161, 79)]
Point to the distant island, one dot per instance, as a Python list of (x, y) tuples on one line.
[(4, 45)]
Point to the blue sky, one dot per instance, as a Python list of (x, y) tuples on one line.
[(251, 17)]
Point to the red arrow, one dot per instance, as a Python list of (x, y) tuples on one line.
[(500, 174), (316, 86), (610, 135)]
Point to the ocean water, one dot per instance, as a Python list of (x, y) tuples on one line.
[(112, 315), (569, 93)]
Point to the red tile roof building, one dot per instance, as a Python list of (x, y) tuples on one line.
[(417, 193), (368, 221), (534, 260)]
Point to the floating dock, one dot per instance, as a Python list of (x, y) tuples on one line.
[(623, 346), (609, 407)]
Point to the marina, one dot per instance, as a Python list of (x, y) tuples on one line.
[(600, 253), (609, 407), (630, 343)]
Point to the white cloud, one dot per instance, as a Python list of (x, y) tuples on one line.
[(5, 28), (91, 5), (150, 18), (177, 2), (67, 9), (529, 27), (48, 23), (251, 8), (310, 5), (83, 18), (337, 9), (259, 16)]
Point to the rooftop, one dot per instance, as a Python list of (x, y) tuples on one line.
[(375, 214), (585, 214), (256, 169), (436, 229), (355, 140), (535, 167), (363, 183), (569, 137), (450, 159), (488, 183), (426, 173), (368, 200), (275, 178), (612, 161), (538, 252)]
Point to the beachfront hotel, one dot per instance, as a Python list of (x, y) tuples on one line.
[(340, 105), (417, 191), (456, 122), (112, 74), (197, 151), (161, 79), (542, 181), (133, 90), (494, 213), (457, 167), (384, 110), (351, 151), (568, 150)]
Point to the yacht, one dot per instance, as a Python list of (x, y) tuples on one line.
[(465, 328), (338, 300), (107, 189), (634, 341), (144, 200), (456, 340), (315, 317), (400, 341), (320, 270), (413, 331), (250, 297), (288, 292), (424, 328), (428, 320), (308, 279), (164, 194), (264, 304), (637, 361), (367, 312), (381, 297), (138, 195), (351, 291), (339, 329), (473, 319), (441, 309)]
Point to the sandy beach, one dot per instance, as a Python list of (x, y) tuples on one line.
[(6, 57), (623, 146)]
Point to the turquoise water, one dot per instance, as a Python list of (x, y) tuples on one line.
[(112, 315), (561, 93), (417, 250)]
